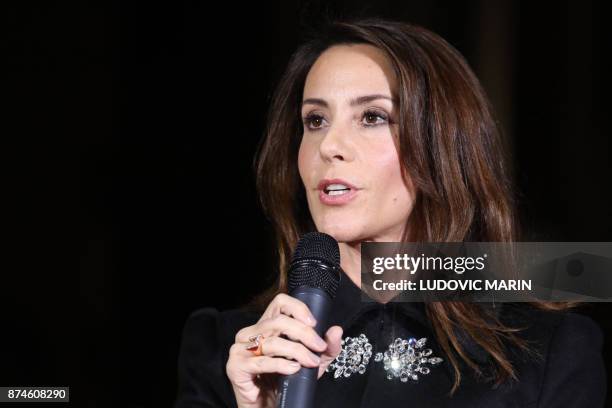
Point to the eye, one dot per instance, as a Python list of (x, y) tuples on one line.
[(374, 118), (313, 121)]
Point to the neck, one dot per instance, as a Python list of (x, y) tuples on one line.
[(350, 260)]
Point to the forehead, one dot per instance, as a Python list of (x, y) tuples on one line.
[(349, 70)]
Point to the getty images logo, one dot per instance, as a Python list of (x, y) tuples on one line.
[(458, 264)]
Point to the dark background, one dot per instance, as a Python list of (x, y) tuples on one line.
[(129, 133)]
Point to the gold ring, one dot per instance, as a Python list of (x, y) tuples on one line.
[(255, 344)]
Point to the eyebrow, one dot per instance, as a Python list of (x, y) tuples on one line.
[(360, 100)]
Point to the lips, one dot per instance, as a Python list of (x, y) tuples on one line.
[(338, 199), (326, 182)]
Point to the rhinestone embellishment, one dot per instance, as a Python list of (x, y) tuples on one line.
[(404, 359), (353, 358)]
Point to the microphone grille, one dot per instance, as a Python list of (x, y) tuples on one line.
[(316, 263)]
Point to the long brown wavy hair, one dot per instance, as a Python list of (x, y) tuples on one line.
[(448, 143)]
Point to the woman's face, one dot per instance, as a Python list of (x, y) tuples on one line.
[(350, 114)]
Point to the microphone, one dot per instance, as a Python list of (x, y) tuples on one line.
[(314, 276)]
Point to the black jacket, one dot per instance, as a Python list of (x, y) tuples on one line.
[(569, 371)]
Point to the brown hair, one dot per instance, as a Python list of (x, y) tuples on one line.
[(449, 145)]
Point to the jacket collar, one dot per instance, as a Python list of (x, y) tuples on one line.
[(351, 302)]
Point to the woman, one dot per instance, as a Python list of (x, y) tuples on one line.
[(379, 131)]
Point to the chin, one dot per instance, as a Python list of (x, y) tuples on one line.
[(343, 232)]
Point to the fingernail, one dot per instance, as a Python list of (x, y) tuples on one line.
[(321, 342), (315, 358), (312, 321), (294, 364)]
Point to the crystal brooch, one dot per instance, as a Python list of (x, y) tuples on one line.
[(406, 359), (353, 358)]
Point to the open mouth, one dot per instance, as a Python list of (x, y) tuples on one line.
[(336, 189)]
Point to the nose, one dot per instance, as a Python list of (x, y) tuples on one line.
[(334, 144)]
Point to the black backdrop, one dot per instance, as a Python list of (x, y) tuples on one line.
[(130, 132)]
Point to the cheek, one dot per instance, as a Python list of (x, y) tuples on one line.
[(390, 176), (302, 160), (305, 159)]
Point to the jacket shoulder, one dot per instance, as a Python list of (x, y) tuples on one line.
[(575, 374), (204, 349), (570, 366)]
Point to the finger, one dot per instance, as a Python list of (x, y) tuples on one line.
[(296, 331), (290, 306), (265, 364), (279, 347), (333, 338), (284, 325)]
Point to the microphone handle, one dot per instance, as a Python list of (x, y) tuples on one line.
[(298, 390)]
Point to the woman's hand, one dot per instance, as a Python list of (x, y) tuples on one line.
[(254, 378)]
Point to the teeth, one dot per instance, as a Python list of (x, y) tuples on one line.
[(336, 187), (337, 192)]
